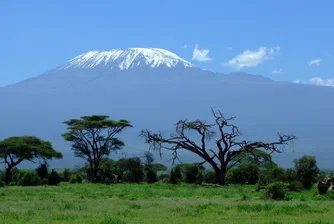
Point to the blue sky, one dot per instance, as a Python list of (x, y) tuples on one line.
[(259, 37)]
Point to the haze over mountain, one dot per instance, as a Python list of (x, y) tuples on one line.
[(154, 88)]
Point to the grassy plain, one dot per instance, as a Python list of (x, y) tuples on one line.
[(157, 203)]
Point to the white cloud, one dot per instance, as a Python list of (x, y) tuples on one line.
[(277, 71), (322, 82), (201, 55), (252, 58), (317, 81), (316, 62)]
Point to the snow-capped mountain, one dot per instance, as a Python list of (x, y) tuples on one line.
[(154, 88), (127, 59)]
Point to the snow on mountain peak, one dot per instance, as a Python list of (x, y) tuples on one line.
[(127, 58)]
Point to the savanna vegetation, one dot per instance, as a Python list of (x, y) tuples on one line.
[(236, 182)]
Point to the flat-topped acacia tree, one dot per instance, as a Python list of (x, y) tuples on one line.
[(229, 150), (14, 150), (93, 138)]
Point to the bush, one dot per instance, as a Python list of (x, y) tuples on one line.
[(44, 181), (66, 175), (193, 173), (151, 176), (270, 173), (2, 184), (245, 173), (164, 177), (42, 171), (76, 178), (131, 169), (2, 175), (307, 170), (276, 190), (295, 186), (27, 178), (209, 177), (54, 178), (290, 175), (175, 175)]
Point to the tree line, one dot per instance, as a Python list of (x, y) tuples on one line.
[(232, 159)]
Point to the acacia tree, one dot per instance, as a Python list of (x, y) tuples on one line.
[(93, 138), (14, 150), (229, 149)]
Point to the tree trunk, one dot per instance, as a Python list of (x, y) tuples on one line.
[(220, 177), (8, 175)]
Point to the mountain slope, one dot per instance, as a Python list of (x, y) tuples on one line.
[(157, 97)]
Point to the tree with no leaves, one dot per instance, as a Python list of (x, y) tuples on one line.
[(93, 138), (14, 150), (229, 150)]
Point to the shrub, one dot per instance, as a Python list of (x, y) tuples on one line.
[(42, 171), (276, 190), (27, 178), (132, 170), (66, 175), (2, 184), (307, 170), (44, 181), (270, 173), (296, 186), (2, 175), (76, 178), (151, 176), (209, 177), (193, 173), (164, 177), (175, 175), (245, 173), (54, 178), (290, 175)]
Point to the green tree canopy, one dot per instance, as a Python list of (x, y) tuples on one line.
[(14, 150), (93, 138)]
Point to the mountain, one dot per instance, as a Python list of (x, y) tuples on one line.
[(154, 88)]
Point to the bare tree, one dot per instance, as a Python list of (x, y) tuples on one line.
[(228, 150)]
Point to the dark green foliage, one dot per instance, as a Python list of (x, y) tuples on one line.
[(245, 173), (176, 175), (276, 190), (306, 168), (269, 173), (2, 175), (209, 177), (14, 150), (151, 175), (164, 177), (26, 178), (44, 181), (296, 186), (42, 171), (76, 178), (94, 135), (66, 175), (131, 170), (54, 178), (290, 175), (2, 184), (193, 173)]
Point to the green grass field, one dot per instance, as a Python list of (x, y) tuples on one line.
[(157, 203)]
